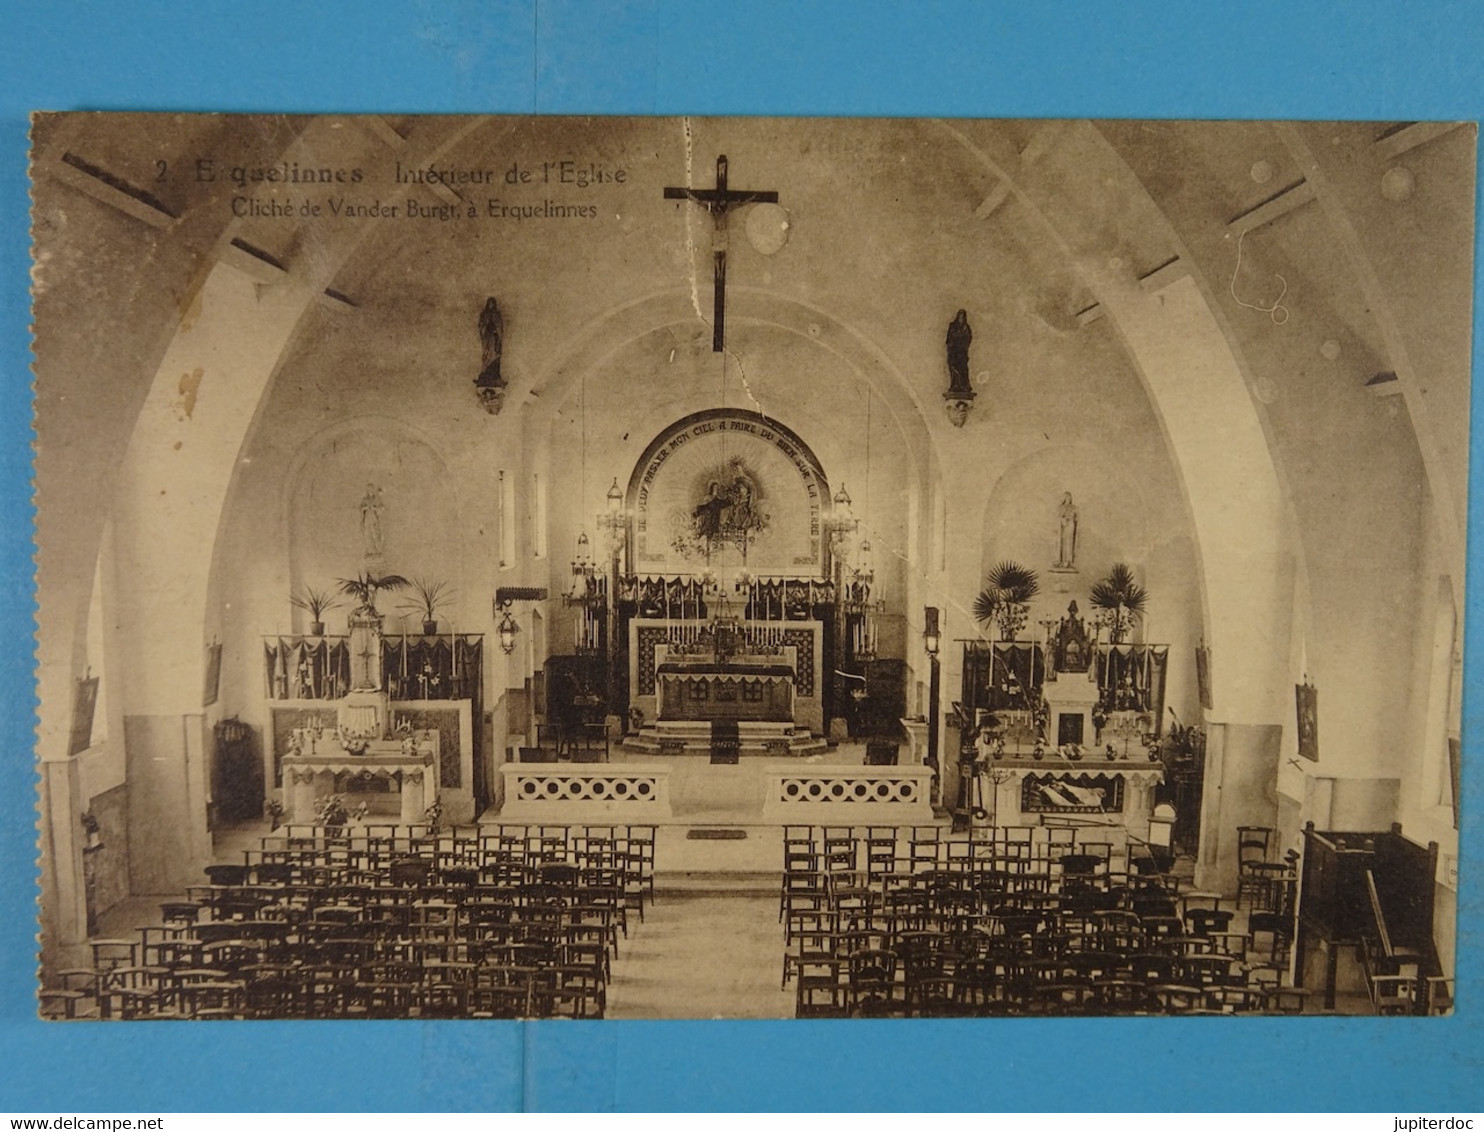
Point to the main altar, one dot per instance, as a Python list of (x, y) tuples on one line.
[(685, 676)]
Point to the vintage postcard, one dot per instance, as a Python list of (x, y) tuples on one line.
[(525, 567)]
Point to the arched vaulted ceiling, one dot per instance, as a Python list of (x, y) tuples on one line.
[(1078, 247)]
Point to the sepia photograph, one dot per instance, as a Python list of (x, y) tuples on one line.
[(527, 567)]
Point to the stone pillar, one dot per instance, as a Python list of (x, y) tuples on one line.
[(63, 891), (1241, 788)]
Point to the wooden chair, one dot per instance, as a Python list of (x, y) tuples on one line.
[(871, 973), (820, 990), (881, 850), (1254, 845)]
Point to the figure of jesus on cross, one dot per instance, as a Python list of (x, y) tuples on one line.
[(718, 202)]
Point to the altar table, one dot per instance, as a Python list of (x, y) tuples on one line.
[(691, 690)]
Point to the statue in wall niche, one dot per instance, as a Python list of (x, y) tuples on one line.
[(490, 385), (960, 393), (1066, 545), (373, 541)]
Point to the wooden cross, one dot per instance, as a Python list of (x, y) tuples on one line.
[(718, 202)]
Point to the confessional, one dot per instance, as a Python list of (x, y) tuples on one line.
[(1372, 892)]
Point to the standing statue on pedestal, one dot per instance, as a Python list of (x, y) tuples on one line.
[(960, 393), (1066, 547), (490, 385)]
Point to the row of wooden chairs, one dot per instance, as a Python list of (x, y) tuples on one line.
[(878, 849), (948, 940), (305, 927), (939, 897), (831, 988), (936, 974), (491, 988), (377, 848)]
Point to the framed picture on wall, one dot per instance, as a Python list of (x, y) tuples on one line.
[(1306, 697), (1453, 773), (84, 703), (1203, 675)]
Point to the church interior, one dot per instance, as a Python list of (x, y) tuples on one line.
[(509, 567)]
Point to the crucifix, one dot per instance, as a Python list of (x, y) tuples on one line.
[(368, 676), (718, 202)]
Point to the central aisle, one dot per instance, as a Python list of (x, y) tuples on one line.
[(703, 955), (710, 945)]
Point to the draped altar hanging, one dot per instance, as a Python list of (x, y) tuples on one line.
[(1008, 675)]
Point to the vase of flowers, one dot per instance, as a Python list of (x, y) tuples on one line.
[(433, 816), (1181, 746), (330, 812)]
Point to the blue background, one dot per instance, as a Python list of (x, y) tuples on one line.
[(1298, 59)]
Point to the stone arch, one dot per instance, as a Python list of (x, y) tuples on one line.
[(1196, 383), (770, 434)]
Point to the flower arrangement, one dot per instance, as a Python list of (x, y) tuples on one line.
[(350, 742), (433, 816), (274, 809), (330, 811), (1005, 598), (1181, 743)]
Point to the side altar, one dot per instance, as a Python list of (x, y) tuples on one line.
[(364, 740), (763, 675), (1026, 791)]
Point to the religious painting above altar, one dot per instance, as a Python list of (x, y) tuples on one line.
[(729, 489), (948, 519)]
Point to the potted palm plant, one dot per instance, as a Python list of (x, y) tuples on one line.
[(1120, 601), (1005, 598), (316, 603), (365, 586), (426, 599)]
